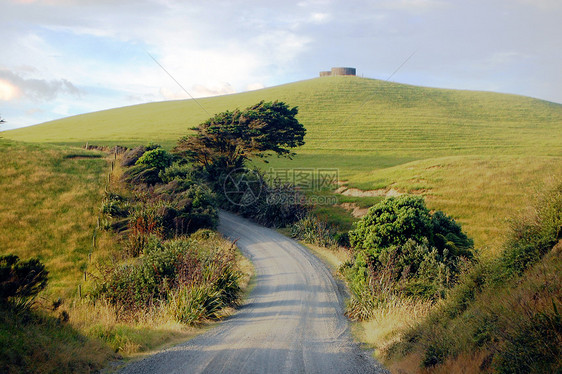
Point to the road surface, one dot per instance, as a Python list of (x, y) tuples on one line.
[(292, 322)]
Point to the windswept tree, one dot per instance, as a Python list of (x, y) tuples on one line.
[(225, 141)]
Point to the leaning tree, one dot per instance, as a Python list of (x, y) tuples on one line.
[(225, 141)]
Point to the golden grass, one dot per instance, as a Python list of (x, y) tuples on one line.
[(463, 364), (151, 330), (389, 322), (334, 258), (480, 192), (48, 209)]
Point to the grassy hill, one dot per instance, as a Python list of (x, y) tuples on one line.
[(48, 208), (372, 116), (49, 199), (476, 155)]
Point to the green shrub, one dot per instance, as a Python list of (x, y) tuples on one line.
[(193, 304), (140, 284), (181, 171), (362, 302), (183, 212), (393, 221), (342, 239), (194, 277), (400, 247), (114, 205), (142, 174), (156, 158), (313, 230), (438, 350), (131, 156), (272, 205)]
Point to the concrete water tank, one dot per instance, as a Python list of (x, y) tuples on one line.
[(343, 71)]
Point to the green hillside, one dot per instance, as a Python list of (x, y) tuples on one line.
[(477, 155), (372, 116)]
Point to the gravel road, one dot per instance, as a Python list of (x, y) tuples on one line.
[(292, 322)]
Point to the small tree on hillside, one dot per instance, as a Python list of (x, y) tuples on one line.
[(225, 141)]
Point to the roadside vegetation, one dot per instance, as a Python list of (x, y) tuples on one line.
[(504, 315), (426, 301), (95, 266), (401, 250)]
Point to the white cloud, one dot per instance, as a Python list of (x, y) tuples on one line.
[(223, 89), (16, 86)]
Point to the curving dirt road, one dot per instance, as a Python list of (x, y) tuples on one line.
[(293, 321)]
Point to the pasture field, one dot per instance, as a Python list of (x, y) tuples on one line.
[(49, 204), (344, 116), (475, 155)]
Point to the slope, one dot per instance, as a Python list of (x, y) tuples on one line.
[(475, 155), (343, 114)]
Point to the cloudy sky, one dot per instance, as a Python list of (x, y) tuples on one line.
[(65, 57)]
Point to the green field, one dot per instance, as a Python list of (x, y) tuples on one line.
[(475, 155), (49, 202)]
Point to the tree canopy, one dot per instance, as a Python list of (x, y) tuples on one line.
[(229, 138)]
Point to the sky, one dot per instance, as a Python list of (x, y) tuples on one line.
[(66, 57)]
